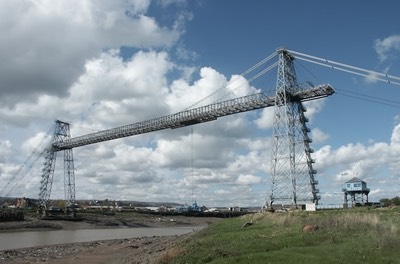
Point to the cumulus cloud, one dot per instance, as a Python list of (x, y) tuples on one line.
[(318, 136), (35, 142), (395, 139), (108, 92), (5, 150), (248, 179), (75, 69), (387, 47), (266, 119), (58, 38), (137, 83), (376, 163), (184, 95), (313, 107)]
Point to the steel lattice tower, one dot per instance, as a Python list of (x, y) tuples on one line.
[(61, 133), (291, 166), (292, 173)]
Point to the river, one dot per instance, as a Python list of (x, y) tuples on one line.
[(17, 240)]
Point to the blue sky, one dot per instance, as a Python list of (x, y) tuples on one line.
[(98, 65)]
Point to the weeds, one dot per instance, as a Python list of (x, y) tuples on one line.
[(354, 236), (170, 255)]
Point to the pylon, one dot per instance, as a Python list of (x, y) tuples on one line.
[(61, 132), (292, 173)]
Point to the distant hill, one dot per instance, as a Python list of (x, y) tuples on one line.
[(12, 200)]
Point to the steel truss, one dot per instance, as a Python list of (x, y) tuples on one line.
[(190, 117), (292, 173), (288, 103), (61, 133)]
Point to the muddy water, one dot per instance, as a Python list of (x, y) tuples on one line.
[(17, 240)]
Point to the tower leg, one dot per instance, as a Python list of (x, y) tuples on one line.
[(61, 132), (47, 178), (69, 178), (292, 174)]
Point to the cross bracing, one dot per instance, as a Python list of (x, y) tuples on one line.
[(63, 141), (190, 117), (292, 173), (296, 94), (289, 97)]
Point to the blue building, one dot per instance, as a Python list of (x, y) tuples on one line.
[(357, 190), (189, 208)]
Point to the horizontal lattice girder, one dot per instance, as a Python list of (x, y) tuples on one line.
[(190, 117)]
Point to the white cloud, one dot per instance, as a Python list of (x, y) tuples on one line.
[(248, 179), (58, 38), (185, 54), (266, 119), (318, 136), (376, 163), (107, 93), (115, 89), (64, 61), (150, 166), (35, 142), (151, 160), (313, 107), (371, 78), (387, 47), (169, 2), (395, 139), (5, 150)]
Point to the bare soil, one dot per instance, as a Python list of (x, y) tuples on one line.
[(154, 249)]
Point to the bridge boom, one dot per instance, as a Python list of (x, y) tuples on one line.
[(190, 117)]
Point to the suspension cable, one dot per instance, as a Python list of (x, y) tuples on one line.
[(347, 68), (368, 98), (236, 79), (355, 95), (28, 164)]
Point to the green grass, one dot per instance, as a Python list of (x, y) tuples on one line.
[(344, 236)]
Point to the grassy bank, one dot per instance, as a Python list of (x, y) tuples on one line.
[(346, 236)]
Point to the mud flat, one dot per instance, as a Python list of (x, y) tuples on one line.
[(145, 249)]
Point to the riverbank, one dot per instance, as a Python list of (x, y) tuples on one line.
[(91, 221), (137, 250), (357, 235), (153, 249)]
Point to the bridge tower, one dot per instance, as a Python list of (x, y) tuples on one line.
[(292, 173), (61, 133), (291, 169)]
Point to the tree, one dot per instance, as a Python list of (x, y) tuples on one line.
[(384, 201), (61, 204)]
